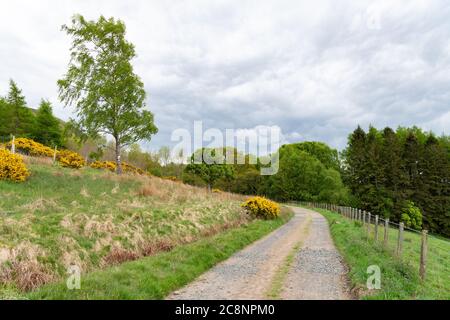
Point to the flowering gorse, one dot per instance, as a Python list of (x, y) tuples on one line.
[(31, 148), (70, 159), (260, 207), (12, 167)]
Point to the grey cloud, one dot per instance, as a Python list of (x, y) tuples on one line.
[(315, 70)]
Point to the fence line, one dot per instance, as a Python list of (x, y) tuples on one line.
[(392, 237)]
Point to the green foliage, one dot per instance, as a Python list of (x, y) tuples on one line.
[(210, 165), (17, 119), (302, 177), (100, 83), (47, 130), (383, 169), (411, 215), (322, 152)]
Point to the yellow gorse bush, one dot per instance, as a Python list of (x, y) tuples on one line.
[(12, 167), (70, 159), (260, 207), (31, 148), (111, 166)]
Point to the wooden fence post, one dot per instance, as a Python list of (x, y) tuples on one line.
[(386, 232), (376, 227), (364, 217), (13, 145), (368, 224), (400, 240), (54, 154), (423, 254)]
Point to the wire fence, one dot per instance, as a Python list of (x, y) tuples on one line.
[(428, 254)]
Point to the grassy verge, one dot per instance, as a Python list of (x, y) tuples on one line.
[(399, 278), (95, 219), (156, 276)]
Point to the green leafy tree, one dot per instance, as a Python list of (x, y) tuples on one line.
[(411, 215), (47, 129), (322, 152), (210, 165), (108, 96), (302, 177)]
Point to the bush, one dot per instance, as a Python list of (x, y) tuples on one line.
[(12, 167), (70, 159), (128, 168), (260, 207), (215, 190), (111, 166), (31, 148), (411, 215)]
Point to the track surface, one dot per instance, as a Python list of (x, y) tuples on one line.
[(316, 271)]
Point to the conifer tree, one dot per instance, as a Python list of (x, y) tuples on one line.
[(21, 121), (47, 129)]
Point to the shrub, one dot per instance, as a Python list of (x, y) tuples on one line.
[(12, 167), (215, 190), (260, 207), (411, 215), (31, 147), (109, 165), (70, 159), (128, 168)]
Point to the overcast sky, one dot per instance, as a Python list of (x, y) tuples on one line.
[(316, 69)]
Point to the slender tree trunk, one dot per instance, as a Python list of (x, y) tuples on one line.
[(118, 160)]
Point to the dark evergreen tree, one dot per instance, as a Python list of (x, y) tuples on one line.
[(354, 171), (5, 119), (47, 129), (434, 195), (394, 178), (21, 122)]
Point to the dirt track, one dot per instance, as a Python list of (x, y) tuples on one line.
[(316, 271)]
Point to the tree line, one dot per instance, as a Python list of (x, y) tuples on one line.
[(395, 174), (385, 170), (20, 121)]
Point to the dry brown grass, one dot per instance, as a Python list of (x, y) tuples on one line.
[(23, 268), (38, 160)]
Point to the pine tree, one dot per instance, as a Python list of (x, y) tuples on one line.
[(394, 177), (434, 196), (354, 165), (5, 119), (47, 129), (21, 118)]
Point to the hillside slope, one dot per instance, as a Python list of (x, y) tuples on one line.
[(94, 219)]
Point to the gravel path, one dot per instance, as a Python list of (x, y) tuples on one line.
[(249, 273), (317, 272)]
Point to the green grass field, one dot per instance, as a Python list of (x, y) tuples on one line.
[(400, 278), (95, 219), (157, 276)]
